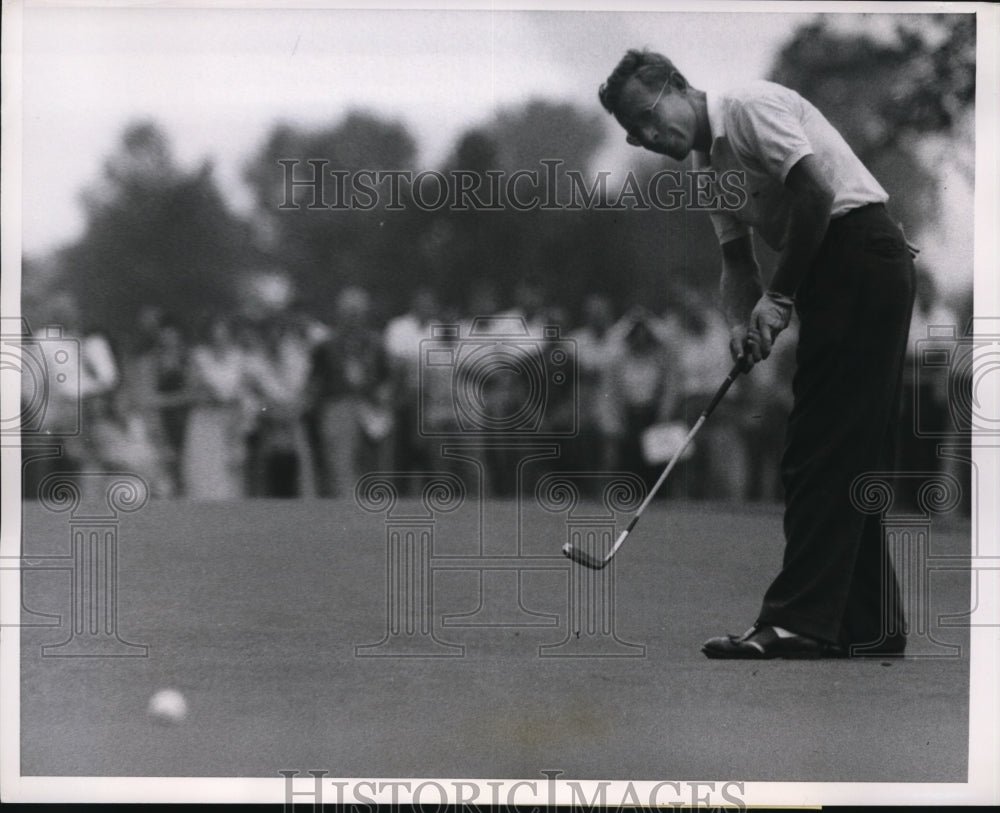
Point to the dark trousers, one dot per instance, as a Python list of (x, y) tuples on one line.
[(836, 581)]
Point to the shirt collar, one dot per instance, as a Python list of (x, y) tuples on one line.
[(716, 127), (716, 122)]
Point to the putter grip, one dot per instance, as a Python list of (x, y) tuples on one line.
[(738, 367)]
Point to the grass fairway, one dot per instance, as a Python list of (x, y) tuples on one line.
[(254, 611)]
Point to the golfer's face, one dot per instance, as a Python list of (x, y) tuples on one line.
[(660, 121)]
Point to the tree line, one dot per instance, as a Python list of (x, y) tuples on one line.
[(158, 233)]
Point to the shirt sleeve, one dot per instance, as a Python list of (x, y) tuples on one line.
[(727, 227), (99, 373), (770, 131)]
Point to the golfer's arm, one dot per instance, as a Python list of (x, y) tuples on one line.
[(812, 201), (740, 283)]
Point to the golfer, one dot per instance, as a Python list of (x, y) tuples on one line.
[(846, 268)]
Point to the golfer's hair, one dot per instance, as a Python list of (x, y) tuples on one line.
[(649, 67)]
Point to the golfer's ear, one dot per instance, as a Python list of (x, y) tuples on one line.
[(678, 81)]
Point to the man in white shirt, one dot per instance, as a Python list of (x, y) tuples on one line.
[(403, 336), (845, 267)]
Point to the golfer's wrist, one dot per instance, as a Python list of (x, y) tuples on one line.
[(784, 281), (780, 298)]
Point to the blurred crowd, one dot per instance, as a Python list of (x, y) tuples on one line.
[(288, 406)]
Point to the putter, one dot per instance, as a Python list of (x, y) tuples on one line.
[(582, 557)]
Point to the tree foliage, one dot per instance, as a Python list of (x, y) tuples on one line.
[(155, 235), (505, 245), (885, 93), (880, 91), (325, 247)]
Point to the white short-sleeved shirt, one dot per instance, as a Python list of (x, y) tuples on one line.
[(763, 129)]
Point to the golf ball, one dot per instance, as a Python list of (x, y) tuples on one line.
[(168, 705)]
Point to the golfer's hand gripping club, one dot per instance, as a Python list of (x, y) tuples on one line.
[(769, 317)]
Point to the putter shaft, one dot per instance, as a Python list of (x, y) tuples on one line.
[(586, 559)]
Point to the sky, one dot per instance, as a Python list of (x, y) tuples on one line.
[(217, 79)]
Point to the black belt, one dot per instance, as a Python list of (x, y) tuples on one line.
[(872, 210), (867, 209)]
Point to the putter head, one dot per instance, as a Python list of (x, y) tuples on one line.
[(583, 558)]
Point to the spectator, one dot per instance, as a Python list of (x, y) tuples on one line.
[(257, 374), (350, 390), (73, 404), (313, 333), (494, 394), (403, 336), (718, 465), (645, 377), (214, 453), (278, 373), (438, 420), (561, 401), (508, 391), (124, 441), (156, 379), (597, 349)]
